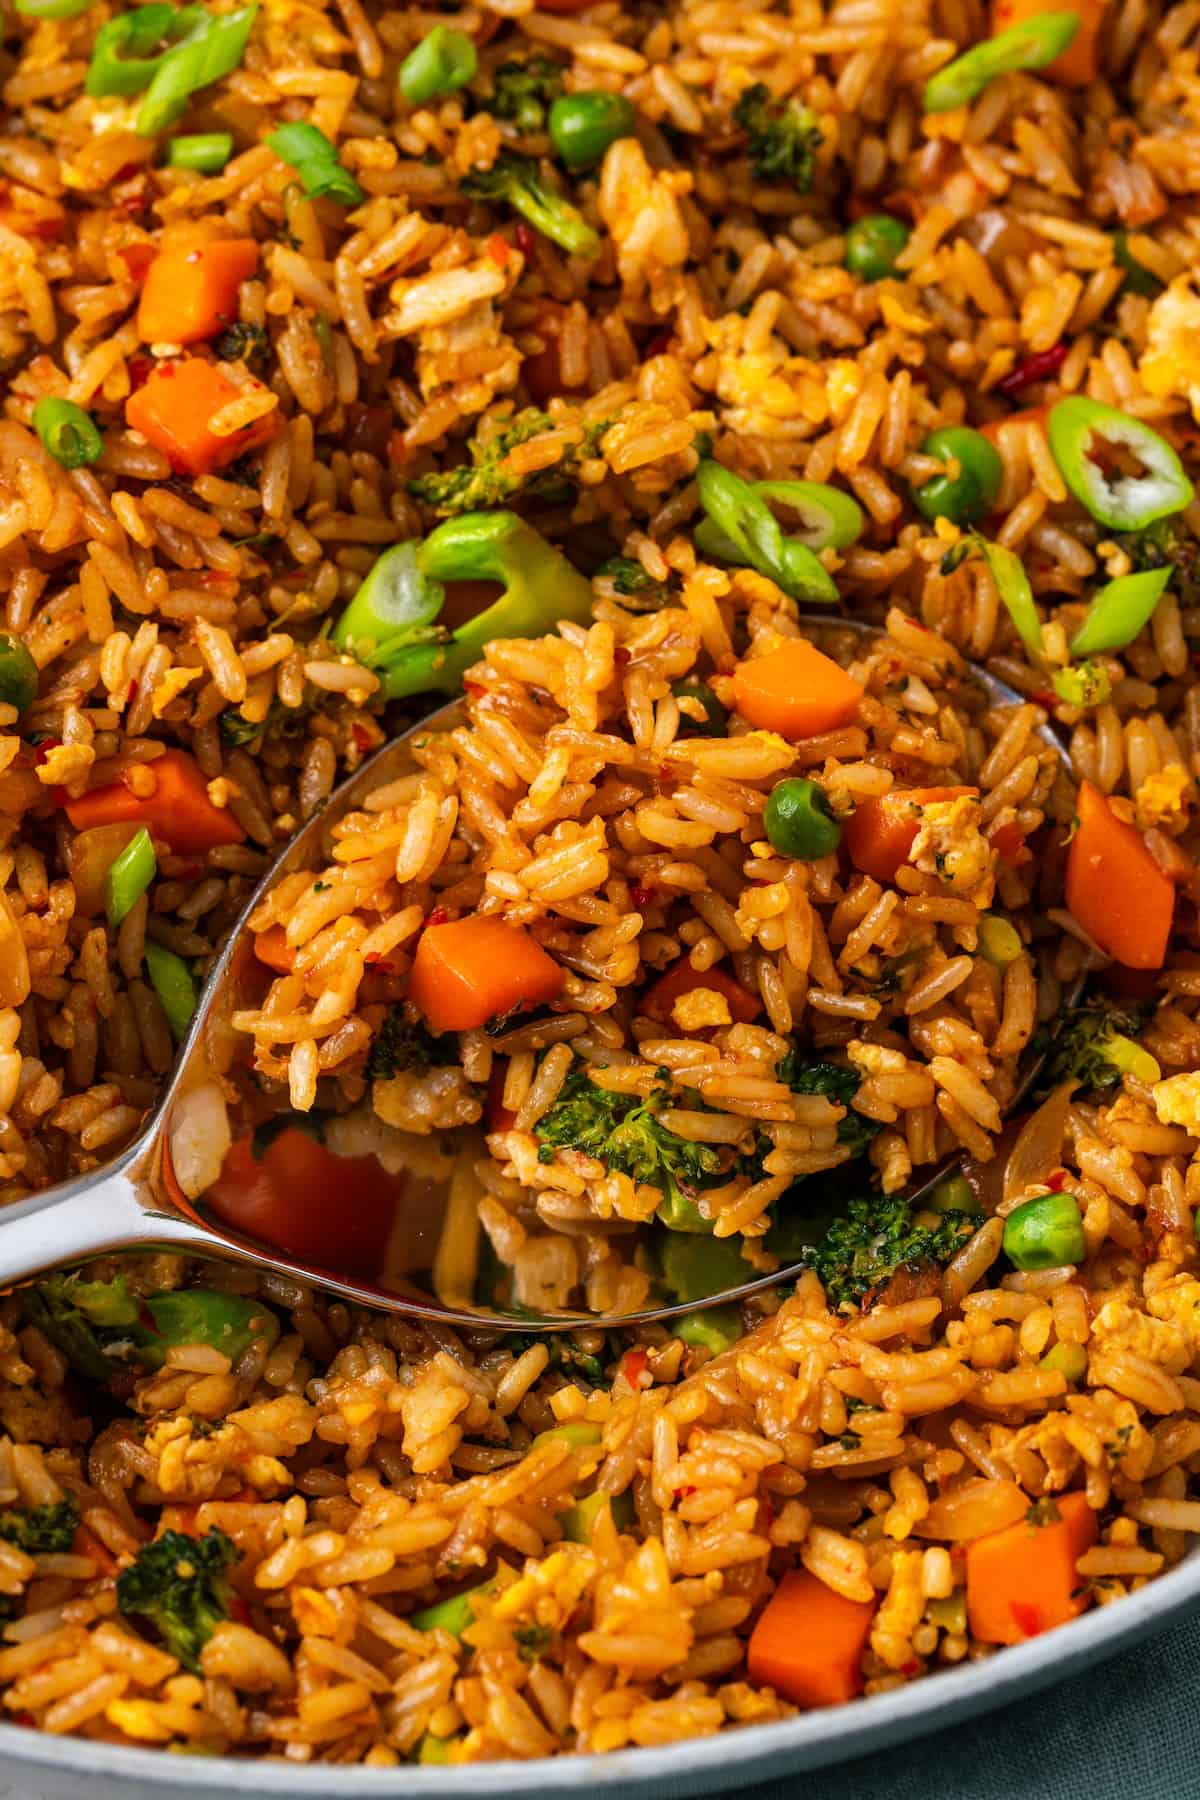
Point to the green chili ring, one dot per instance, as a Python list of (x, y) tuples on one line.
[(1123, 502)]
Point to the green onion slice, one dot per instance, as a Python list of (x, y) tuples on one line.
[(1030, 45), (67, 432), (129, 876)]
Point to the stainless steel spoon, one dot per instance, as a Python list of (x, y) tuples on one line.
[(135, 1203)]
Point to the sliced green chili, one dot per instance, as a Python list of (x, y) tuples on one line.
[(1119, 610), (172, 981), (316, 162), (207, 152), (742, 516), (213, 50), (129, 876), (18, 673), (441, 63), (131, 48), (68, 433), (1031, 45), (1077, 427), (1082, 684), (1012, 585), (52, 9)]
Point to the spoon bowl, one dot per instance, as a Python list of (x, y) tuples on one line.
[(151, 1195)]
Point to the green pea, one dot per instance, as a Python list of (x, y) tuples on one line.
[(954, 1194), (716, 720), (582, 126), (18, 673), (970, 495), (999, 940), (1069, 1359), (873, 244), (798, 821), (1045, 1233)]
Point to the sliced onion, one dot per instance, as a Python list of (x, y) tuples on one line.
[(975, 1507), (1039, 1148)]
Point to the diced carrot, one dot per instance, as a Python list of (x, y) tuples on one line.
[(1114, 887), (796, 691), (1028, 416), (172, 410), (681, 978), (177, 810), (192, 294), (474, 969), (271, 947), (808, 1642), (1023, 1580), (1079, 62), (880, 833)]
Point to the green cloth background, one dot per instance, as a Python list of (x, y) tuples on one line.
[(1129, 1729)]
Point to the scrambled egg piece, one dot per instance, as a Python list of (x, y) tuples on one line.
[(950, 845), (1164, 1340), (1178, 1301), (1177, 1101), (1163, 798), (1171, 364), (700, 1009)]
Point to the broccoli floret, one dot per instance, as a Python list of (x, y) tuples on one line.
[(514, 181), (39, 1530), (626, 1134), (632, 582), (101, 1327), (876, 1238), (784, 137), (566, 1354), (837, 1084), (485, 482), (247, 344), (1095, 1045), (523, 91), (180, 1586), (1167, 544), (403, 1043)]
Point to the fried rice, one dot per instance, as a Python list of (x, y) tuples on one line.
[(455, 1544)]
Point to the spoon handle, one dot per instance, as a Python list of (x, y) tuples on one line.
[(88, 1217)]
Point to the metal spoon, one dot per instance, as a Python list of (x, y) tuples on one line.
[(135, 1202)]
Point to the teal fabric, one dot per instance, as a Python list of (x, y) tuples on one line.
[(1127, 1730)]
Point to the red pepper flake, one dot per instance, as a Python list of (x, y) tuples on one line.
[(1027, 1616), (1033, 368), (42, 751), (438, 916), (621, 656), (643, 896), (499, 249), (911, 1667), (633, 1365), (373, 960), (474, 688), (1057, 1182), (361, 736), (526, 238)]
